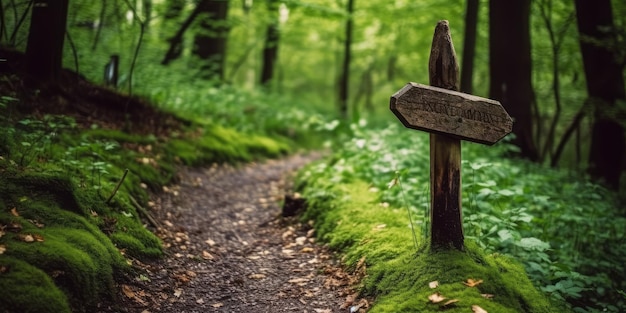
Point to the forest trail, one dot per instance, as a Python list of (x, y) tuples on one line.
[(228, 250)]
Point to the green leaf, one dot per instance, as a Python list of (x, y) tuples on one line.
[(533, 243)]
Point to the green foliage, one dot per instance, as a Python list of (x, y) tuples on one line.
[(295, 120), (58, 176), (351, 218), (566, 231)]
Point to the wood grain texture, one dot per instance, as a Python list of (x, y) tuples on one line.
[(445, 152), (448, 112)]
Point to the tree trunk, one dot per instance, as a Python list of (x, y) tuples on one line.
[(44, 49), (605, 82), (211, 37), (469, 45), (176, 42), (510, 68), (147, 12), (345, 72), (272, 37)]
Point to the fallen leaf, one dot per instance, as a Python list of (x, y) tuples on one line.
[(178, 292), (300, 240), (37, 223), (449, 302), (433, 284), (2, 249), (307, 250), (472, 282), (477, 309), (257, 276), (487, 295), (323, 310), (38, 238), (299, 281), (363, 303), (128, 292), (210, 242), (217, 305), (207, 256), (200, 301), (436, 297), (287, 233), (93, 213), (27, 238), (14, 212), (349, 300)]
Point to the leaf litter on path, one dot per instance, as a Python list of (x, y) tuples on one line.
[(228, 231)]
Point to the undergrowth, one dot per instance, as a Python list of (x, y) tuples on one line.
[(65, 231), (566, 231)]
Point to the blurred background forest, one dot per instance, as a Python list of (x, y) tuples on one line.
[(347, 57), (288, 68)]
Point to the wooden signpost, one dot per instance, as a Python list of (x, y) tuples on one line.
[(449, 116)]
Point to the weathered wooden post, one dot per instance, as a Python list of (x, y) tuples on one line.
[(449, 116)]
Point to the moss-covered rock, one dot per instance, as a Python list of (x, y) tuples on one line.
[(26, 288)]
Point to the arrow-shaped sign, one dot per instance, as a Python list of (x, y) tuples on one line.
[(442, 111)]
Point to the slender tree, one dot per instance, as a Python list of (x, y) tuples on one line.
[(345, 71), (469, 45), (510, 68), (272, 37), (605, 84), (147, 11), (176, 42), (211, 37), (44, 49)]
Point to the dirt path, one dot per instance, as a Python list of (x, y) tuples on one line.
[(228, 250)]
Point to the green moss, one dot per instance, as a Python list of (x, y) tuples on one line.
[(81, 259), (136, 241), (59, 191), (119, 136), (80, 265), (350, 218), (219, 145), (26, 288), (137, 247)]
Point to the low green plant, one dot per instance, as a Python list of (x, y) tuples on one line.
[(567, 231)]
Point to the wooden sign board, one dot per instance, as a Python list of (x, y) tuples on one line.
[(452, 113)]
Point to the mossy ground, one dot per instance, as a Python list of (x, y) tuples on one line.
[(350, 219), (62, 244)]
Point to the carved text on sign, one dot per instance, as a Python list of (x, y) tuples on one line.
[(451, 113)]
